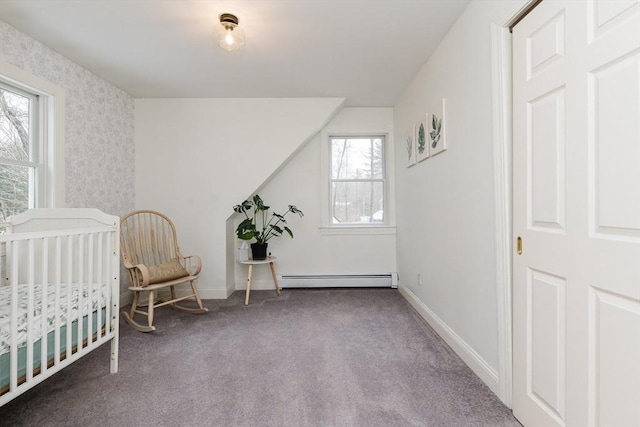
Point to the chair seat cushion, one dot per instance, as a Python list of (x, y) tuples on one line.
[(167, 271)]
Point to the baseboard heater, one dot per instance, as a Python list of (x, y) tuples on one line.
[(389, 280)]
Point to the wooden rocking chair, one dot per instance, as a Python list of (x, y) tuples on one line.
[(150, 253)]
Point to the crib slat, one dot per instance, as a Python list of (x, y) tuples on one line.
[(91, 293), (30, 307), (80, 286), (56, 314), (44, 342), (100, 280), (69, 283), (13, 349)]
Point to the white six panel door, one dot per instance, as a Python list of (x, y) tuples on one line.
[(576, 184)]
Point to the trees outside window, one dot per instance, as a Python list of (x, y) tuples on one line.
[(357, 187), (20, 166)]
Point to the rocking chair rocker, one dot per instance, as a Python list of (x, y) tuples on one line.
[(151, 255)]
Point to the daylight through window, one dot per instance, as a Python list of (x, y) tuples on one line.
[(357, 180), (20, 167)]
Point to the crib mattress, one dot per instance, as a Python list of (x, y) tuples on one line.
[(98, 294)]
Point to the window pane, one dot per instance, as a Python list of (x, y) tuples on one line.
[(14, 126), (356, 158), (14, 190), (357, 202)]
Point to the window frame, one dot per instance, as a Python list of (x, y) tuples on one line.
[(49, 136), (372, 180), (388, 225), (37, 151)]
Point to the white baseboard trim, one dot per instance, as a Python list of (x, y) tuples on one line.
[(477, 364), (215, 293), (126, 298)]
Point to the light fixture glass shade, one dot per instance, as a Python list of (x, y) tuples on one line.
[(228, 34)]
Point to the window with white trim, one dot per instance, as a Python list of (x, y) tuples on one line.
[(21, 152), (31, 142), (357, 180)]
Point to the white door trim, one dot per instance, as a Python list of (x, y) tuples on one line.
[(502, 174), (501, 76)]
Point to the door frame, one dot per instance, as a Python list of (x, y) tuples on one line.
[(501, 94)]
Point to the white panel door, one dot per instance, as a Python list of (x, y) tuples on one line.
[(576, 201)]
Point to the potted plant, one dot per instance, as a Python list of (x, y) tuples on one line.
[(260, 225)]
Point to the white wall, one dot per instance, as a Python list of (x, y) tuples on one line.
[(196, 158), (300, 183), (446, 230)]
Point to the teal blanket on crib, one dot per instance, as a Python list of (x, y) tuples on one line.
[(5, 359)]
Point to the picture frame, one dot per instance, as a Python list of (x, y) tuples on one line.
[(422, 148), (410, 146), (437, 128)]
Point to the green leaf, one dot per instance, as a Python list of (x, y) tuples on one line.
[(289, 231), (295, 210), (409, 147), (243, 207), (259, 204), (246, 224), (247, 236)]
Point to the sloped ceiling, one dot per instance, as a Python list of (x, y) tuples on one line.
[(364, 50)]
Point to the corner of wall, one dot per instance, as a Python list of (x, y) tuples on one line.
[(477, 364)]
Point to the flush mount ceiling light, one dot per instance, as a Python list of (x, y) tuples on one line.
[(229, 35)]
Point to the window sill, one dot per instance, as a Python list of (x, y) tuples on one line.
[(347, 230)]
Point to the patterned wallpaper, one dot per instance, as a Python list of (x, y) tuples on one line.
[(99, 125)]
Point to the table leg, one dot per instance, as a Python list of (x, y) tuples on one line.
[(275, 277), (246, 298)]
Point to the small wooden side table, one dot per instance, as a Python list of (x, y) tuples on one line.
[(251, 263)]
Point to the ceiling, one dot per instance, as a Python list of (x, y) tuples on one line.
[(364, 50)]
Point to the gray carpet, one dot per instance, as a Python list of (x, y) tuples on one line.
[(340, 357)]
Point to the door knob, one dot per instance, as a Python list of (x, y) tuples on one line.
[(519, 246)]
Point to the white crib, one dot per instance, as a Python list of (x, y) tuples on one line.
[(59, 295)]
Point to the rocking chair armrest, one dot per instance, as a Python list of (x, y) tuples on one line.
[(193, 264), (139, 274)]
